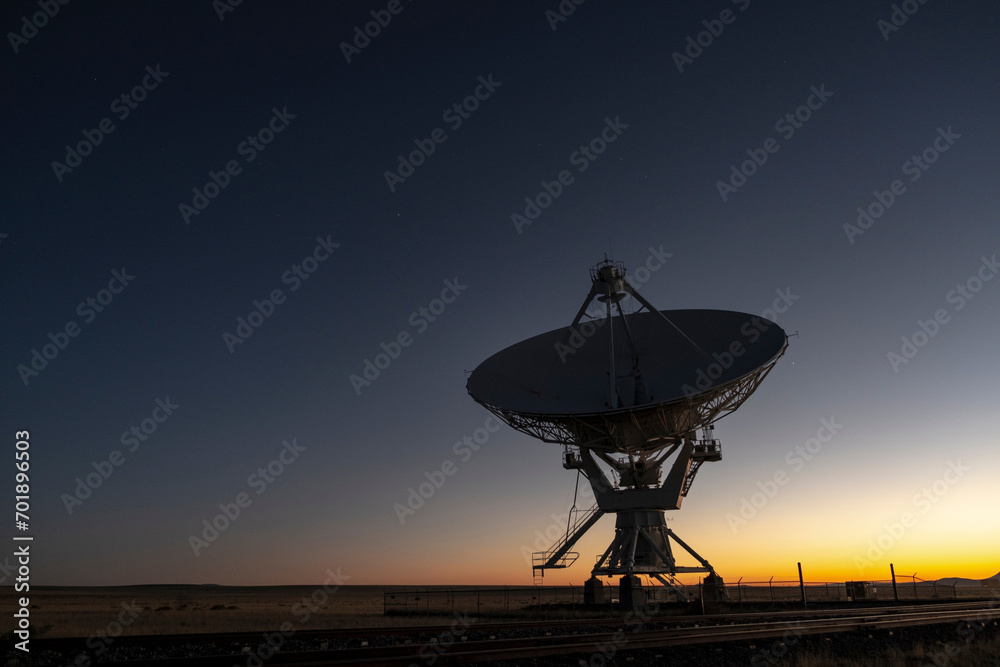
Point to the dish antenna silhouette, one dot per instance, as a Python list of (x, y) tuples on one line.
[(630, 391)]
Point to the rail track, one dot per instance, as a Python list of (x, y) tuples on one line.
[(495, 642)]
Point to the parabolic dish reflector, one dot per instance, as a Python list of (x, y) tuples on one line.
[(684, 370)]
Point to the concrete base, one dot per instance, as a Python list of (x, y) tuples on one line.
[(594, 592), (630, 594)]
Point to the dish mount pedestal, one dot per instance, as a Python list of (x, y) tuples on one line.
[(643, 543)]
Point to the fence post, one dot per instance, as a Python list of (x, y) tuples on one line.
[(802, 587), (895, 592), (770, 588)]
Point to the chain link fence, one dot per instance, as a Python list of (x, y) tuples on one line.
[(437, 600)]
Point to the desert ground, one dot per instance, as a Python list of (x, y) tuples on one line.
[(183, 609), (140, 610), (144, 610)]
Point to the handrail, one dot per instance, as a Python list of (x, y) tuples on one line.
[(559, 555)]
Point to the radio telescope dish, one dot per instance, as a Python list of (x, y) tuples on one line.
[(639, 385), (674, 371)]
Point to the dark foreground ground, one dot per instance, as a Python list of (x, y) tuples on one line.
[(145, 610)]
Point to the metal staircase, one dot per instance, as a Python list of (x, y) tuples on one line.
[(706, 449), (559, 555)]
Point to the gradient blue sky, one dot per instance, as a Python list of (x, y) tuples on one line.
[(654, 187)]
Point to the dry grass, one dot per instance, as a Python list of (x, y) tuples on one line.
[(81, 612)]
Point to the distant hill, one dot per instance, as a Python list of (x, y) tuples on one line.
[(961, 581)]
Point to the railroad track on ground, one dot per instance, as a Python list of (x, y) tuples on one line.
[(487, 642)]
